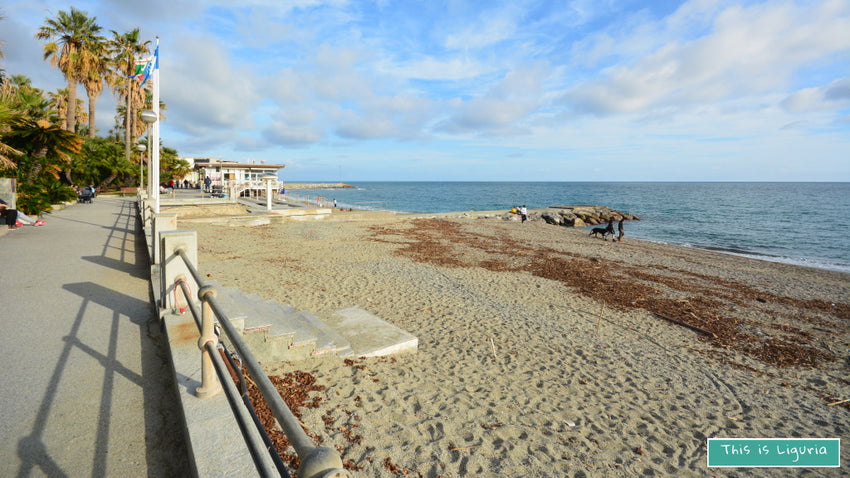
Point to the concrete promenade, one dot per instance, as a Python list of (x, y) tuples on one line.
[(85, 386)]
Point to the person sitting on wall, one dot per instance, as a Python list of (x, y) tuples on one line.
[(10, 216)]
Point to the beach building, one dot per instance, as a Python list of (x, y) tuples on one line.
[(229, 173), (239, 178)]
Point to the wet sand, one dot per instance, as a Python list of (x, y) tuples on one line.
[(546, 352)]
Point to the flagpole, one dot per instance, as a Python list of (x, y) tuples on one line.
[(155, 128)]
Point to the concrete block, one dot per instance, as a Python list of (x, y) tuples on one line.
[(161, 223)]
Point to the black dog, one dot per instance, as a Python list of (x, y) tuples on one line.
[(599, 230)]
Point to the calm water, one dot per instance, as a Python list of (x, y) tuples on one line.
[(800, 223)]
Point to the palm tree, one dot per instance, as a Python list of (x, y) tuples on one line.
[(72, 36), (59, 105), (7, 152), (93, 80), (125, 49), (47, 144)]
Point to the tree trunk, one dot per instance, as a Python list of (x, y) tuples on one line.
[(71, 114), (68, 176), (127, 122), (107, 181), (92, 101)]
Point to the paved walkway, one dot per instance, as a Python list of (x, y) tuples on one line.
[(85, 389)]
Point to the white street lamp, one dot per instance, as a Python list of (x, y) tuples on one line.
[(149, 117), (141, 148)]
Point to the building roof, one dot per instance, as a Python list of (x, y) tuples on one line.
[(212, 162)]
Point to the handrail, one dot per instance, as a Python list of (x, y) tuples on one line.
[(315, 461)]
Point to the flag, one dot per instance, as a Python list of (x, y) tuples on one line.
[(152, 64), (141, 66)]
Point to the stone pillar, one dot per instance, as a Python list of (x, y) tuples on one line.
[(173, 268), (161, 223), (9, 192)]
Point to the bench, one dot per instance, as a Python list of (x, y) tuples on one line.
[(129, 190)]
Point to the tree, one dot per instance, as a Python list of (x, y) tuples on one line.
[(96, 74), (125, 49), (71, 37), (7, 152), (100, 161), (48, 145)]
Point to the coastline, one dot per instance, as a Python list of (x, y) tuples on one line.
[(526, 370), (761, 219)]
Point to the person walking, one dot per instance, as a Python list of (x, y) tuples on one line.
[(609, 230), (523, 212), (620, 229)]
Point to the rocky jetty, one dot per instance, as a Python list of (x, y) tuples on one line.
[(582, 215), (567, 216), (294, 186)]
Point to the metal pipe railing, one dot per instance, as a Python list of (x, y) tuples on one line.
[(315, 461), (243, 416)]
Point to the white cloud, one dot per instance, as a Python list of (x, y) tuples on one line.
[(503, 108), (203, 92), (491, 27), (834, 96), (748, 51)]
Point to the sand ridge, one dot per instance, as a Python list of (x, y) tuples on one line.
[(541, 349)]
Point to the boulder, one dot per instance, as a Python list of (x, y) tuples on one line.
[(552, 218)]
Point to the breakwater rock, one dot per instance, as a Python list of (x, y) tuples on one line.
[(582, 215), (317, 186), (567, 216)]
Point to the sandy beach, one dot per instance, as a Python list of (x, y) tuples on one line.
[(545, 352)]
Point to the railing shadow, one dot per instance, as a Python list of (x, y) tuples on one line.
[(165, 450)]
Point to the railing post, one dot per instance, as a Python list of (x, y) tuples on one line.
[(210, 386), (161, 223), (172, 267)]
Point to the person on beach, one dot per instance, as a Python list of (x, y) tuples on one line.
[(620, 229), (523, 212), (334, 203)]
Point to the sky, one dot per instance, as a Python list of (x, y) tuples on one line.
[(582, 90)]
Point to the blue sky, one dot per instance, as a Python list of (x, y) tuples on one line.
[(587, 90)]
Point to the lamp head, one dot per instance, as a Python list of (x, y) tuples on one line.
[(148, 116)]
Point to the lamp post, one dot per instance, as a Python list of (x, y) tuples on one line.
[(141, 147), (149, 117)]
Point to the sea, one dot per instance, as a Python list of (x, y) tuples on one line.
[(798, 223)]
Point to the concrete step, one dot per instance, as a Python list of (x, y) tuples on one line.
[(309, 329), (369, 335), (279, 332)]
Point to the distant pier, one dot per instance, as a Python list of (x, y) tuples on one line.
[(317, 186)]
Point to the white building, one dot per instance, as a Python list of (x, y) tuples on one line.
[(229, 173)]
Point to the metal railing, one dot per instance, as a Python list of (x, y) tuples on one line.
[(316, 462)]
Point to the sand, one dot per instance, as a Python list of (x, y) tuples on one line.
[(541, 349)]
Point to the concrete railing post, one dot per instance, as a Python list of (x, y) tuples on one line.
[(172, 267), (161, 223), (210, 386)]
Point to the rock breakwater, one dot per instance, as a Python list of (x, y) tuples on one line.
[(582, 215), (318, 186), (567, 216)]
